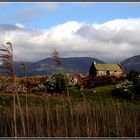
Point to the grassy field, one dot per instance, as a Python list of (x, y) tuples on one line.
[(96, 114)]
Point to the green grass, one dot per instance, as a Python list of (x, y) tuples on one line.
[(96, 95), (104, 92), (102, 95)]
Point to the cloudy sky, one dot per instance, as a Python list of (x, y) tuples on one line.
[(108, 31)]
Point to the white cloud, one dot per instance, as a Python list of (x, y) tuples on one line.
[(119, 24), (20, 25), (111, 41)]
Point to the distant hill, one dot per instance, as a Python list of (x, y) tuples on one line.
[(29, 69), (131, 63), (70, 65), (48, 66)]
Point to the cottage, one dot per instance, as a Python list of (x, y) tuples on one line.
[(105, 70)]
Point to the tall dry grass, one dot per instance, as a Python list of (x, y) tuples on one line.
[(6, 56), (71, 120)]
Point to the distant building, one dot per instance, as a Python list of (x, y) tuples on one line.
[(105, 70)]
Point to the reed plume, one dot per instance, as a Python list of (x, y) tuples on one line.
[(56, 57)]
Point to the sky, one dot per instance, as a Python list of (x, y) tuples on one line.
[(104, 30)]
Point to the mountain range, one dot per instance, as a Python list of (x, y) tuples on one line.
[(71, 65), (49, 66), (132, 63)]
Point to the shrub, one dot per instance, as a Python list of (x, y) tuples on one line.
[(100, 81), (136, 84), (132, 75), (56, 83), (123, 90)]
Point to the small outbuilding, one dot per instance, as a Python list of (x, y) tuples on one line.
[(105, 70)]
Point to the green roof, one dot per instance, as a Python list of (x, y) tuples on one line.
[(108, 67)]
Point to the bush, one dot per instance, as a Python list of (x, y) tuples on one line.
[(56, 83), (124, 89), (132, 75), (137, 87), (90, 82)]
